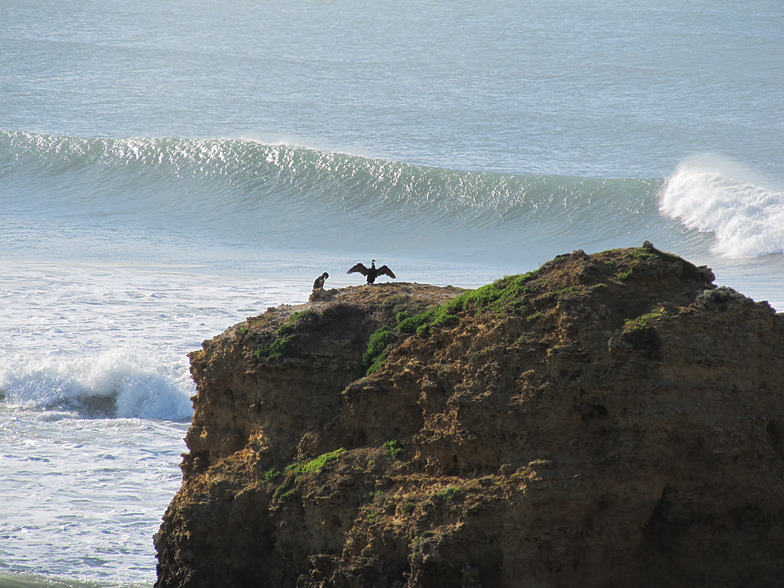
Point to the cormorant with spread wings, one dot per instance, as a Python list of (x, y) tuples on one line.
[(372, 272)]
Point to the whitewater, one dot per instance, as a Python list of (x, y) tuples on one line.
[(169, 169)]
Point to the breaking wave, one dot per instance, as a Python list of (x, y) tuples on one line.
[(294, 197), (115, 384), (717, 195)]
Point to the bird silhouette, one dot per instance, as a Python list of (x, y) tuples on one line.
[(319, 283), (372, 272)]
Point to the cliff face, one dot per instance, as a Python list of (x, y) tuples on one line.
[(608, 420)]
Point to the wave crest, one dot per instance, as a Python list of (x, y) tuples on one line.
[(717, 195)]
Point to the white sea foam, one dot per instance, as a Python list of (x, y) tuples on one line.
[(715, 194), (87, 495), (129, 383)]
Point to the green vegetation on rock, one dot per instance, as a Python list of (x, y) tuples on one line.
[(272, 474), (376, 351), (640, 333), (281, 347), (296, 470), (449, 494), (298, 320), (314, 466), (276, 350), (393, 448), (507, 295)]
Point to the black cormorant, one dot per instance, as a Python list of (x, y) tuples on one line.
[(371, 272), (319, 283)]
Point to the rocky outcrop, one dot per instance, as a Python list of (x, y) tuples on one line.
[(608, 420)]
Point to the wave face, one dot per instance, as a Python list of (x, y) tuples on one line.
[(290, 196), (716, 195)]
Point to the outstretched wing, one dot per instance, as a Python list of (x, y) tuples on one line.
[(385, 271), (358, 268)]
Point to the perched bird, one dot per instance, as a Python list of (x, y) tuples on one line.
[(319, 283), (372, 272)]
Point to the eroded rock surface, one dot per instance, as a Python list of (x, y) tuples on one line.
[(612, 419)]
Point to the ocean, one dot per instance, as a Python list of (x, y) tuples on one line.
[(168, 169)]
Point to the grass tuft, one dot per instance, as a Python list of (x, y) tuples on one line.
[(393, 448)]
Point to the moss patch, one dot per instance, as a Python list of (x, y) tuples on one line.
[(314, 466), (376, 351), (282, 345), (297, 321), (275, 351), (295, 471), (640, 334), (510, 294)]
